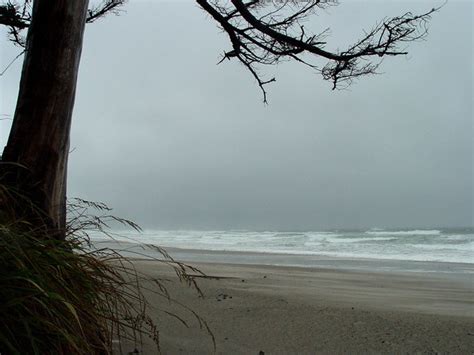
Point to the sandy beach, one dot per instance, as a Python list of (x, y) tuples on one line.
[(289, 310)]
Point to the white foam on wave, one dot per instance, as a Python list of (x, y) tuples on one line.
[(411, 232), (459, 237), (466, 247), (359, 240), (372, 244)]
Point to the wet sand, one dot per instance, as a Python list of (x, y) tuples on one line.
[(289, 310)]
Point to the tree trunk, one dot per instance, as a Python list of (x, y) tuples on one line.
[(39, 138)]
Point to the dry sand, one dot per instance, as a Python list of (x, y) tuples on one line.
[(285, 310)]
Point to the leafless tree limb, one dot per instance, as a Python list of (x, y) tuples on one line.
[(11, 62), (104, 8), (265, 32), (17, 16)]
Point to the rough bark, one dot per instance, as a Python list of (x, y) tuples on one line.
[(39, 138)]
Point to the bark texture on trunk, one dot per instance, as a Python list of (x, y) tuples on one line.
[(39, 138)]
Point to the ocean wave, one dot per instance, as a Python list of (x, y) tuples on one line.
[(359, 240), (466, 247), (459, 237), (321, 235), (401, 233), (287, 236), (377, 244)]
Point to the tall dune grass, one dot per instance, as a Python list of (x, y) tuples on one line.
[(67, 297)]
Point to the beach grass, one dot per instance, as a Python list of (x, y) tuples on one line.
[(67, 297)]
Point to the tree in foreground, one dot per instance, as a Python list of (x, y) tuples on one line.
[(40, 254)]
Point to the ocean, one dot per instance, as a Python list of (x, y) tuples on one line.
[(455, 245)]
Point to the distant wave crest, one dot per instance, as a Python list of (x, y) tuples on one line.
[(418, 244), (411, 232)]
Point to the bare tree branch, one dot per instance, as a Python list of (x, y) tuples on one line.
[(11, 62), (9, 16), (104, 8), (265, 32), (18, 17)]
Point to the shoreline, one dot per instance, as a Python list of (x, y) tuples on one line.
[(288, 310), (134, 250)]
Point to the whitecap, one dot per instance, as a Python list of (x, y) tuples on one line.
[(401, 233)]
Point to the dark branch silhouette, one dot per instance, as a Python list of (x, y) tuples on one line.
[(104, 8), (18, 17), (267, 32)]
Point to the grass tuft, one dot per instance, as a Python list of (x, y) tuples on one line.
[(67, 297)]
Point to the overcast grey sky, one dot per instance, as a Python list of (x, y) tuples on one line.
[(171, 140)]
